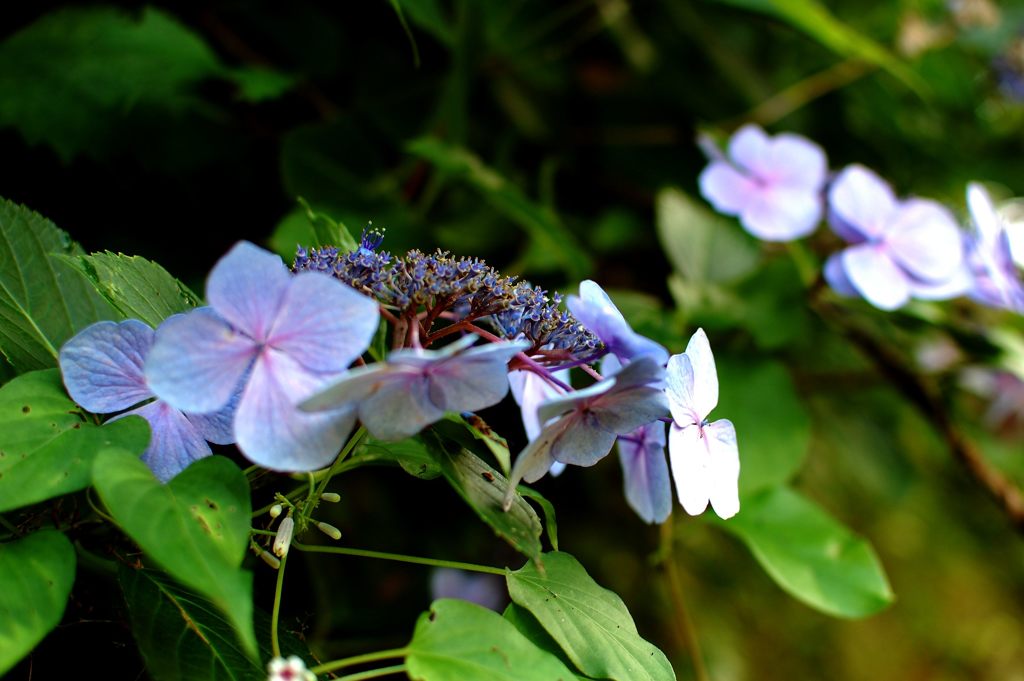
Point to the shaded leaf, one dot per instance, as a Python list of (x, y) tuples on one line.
[(37, 573), (810, 555), (550, 521), (589, 622), (196, 526), (478, 428), (47, 447), (411, 454), (461, 641), (528, 626), (259, 84)]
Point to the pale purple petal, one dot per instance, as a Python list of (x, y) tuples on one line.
[(536, 459), (557, 468), (559, 405), (529, 391), (860, 204), (584, 442), (679, 390), (352, 387), (750, 148), (924, 239), (198, 361), (473, 379), (323, 324), (836, 277), (271, 430), (174, 442), (645, 472), (689, 458), (246, 287), (959, 284), (724, 468), (796, 162), (400, 407), (218, 426), (726, 188), (102, 365), (875, 276), (705, 375), (596, 311), (621, 411), (781, 213), (983, 214)]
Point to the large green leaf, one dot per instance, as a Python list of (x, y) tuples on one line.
[(810, 555), (47, 447), (548, 234), (461, 641), (43, 300), (773, 428), (589, 622), (36, 574), (68, 78), (483, 488), (183, 637), (528, 626), (702, 246), (196, 526), (136, 287)]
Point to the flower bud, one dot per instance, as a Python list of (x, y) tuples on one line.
[(270, 559), (283, 539), (332, 497), (330, 530), (275, 510)]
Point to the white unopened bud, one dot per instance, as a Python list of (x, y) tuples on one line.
[(332, 497), (330, 530), (275, 510), (270, 559), (283, 538)]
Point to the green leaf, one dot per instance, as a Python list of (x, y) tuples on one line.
[(461, 641), (136, 287), (43, 301), (549, 512), (814, 19), (810, 555), (183, 637), (589, 622), (528, 626), (702, 246), (259, 84), (37, 573), (496, 444), (47, 447), (546, 232), (196, 526), (483, 488), (773, 428), (411, 454), (327, 231), (69, 78)]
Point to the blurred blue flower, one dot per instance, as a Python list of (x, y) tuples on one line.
[(276, 337), (102, 368), (595, 310), (990, 262), (705, 457), (773, 184), (414, 388), (900, 249), (485, 590)]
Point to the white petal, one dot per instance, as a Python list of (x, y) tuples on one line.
[(724, 468), (705, 375), (679, 390), (690, 468)]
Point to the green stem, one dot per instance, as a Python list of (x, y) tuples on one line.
[(359, 659), (353, 441), (434, 562), (373, 673), (275, 616), (675, 589)]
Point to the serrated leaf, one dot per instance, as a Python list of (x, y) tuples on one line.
[(810, 555), (47, 447), (589, 622), (196, 527), (461, 641), (547, 234), (136, 287), (37, 572), (43, 301), (183, 637)]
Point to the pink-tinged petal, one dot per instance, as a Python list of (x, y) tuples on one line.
[(723, 468), (679, 390), (796, 162), (705, 375), (102, 365), (218, 426), (836, 277), (473, 379), (273, 432), (726, 188), (750, 148), (860, 204), (924, 239), (529, 390), (875, 276), (246, 287), (689, 458), (781, 213), (400, 407), (198, 361), (323, 324), (645, 472), (174, 442)]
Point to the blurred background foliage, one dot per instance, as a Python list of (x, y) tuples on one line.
[(557, 140)]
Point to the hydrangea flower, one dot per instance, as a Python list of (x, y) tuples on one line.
[(291, 669), (102, 369), (415, 387), (773, 184), (277, 338), (529, 390), (485, 590), (705, 458), (990, 261), (590, 420), (598, 313), (645, 472), (900, 248)]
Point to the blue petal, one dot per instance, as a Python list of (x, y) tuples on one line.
[(400, 407), (218, 426), (198, 361), (246, 287), (645, 472), (529, 391), (598, 313), (623, 411), (584, 442), (102, 365), (174, 442), (536, 459), (474, 379)]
